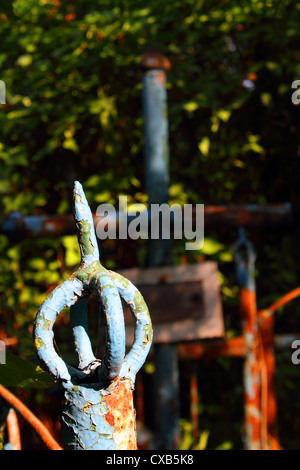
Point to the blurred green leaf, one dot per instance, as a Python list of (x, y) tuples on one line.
[(18, 372)]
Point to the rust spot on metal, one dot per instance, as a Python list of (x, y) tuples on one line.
[(252, 386), (160, 77), (109, 418), (121, 415), (153, 59)]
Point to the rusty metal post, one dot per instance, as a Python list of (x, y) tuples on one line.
[(98, 412), (155, 116), (269, 405), (244, 257)]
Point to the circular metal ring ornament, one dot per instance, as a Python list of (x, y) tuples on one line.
[(98, 411)]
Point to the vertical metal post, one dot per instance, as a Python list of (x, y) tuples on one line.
[(269, 405), (154, 97), (245, 263), (166, 397)]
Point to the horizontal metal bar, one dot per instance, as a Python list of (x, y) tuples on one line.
[(234, 347), (18, 226), (254, 215)]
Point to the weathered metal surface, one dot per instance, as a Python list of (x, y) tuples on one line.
[(13, 430), (265, 344), (153, 59), (98, 411), (99, 419), (250, 215), (156, 153), (244, 257), (251, 370), (234, 347), (18, 226), (269, 343), (268, 397), (155, 121), (185, 301)]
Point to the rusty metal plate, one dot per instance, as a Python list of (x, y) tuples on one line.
[(184, 302)]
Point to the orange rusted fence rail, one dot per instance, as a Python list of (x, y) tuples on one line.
[(263, 435), (258, 350)]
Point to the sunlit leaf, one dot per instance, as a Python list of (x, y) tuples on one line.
[(18, 372), (204, 146)]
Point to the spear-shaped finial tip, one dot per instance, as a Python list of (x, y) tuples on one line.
[(85, 226), (79, 195)]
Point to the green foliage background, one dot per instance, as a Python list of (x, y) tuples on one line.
[(73, 111)]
